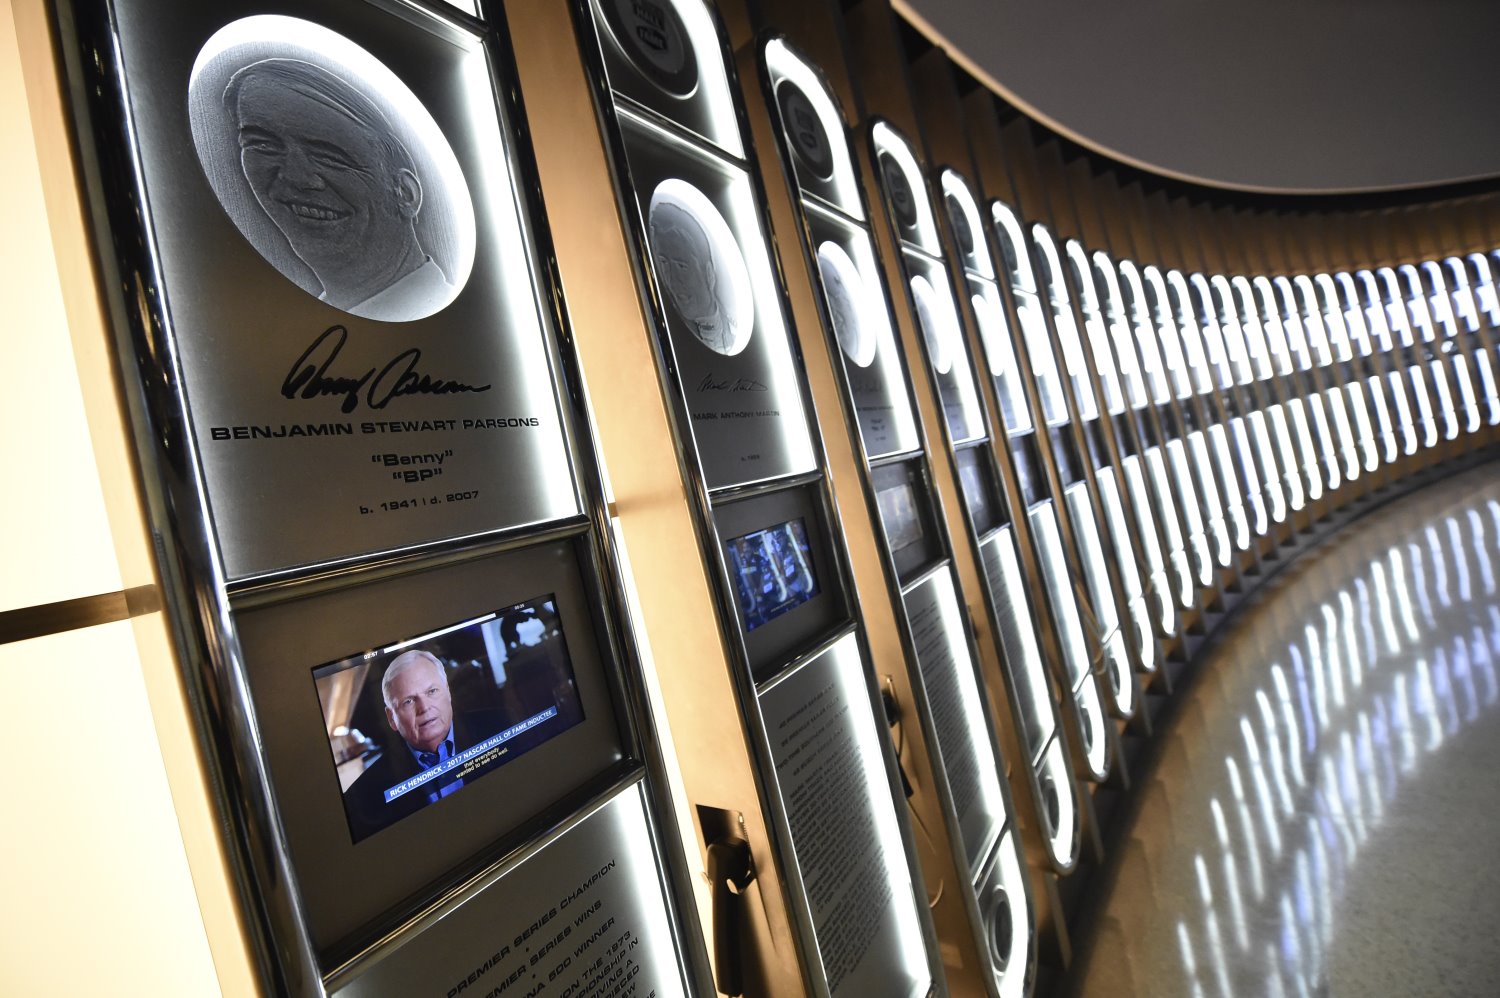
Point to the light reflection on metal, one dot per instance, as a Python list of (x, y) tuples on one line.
[(1416, 303), (1119, 328), (1375, 318), (1344, 395), (1194, 315), (1326, 451), (1445, 307), (1484, 286), (1400, 323)]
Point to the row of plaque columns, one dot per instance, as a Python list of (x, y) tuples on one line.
[(875, 464), (1180, 391)]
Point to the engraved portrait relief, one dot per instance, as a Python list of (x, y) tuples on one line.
[(332, 168), (700, 267)]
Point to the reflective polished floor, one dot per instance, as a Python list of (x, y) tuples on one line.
[(1323, 817)]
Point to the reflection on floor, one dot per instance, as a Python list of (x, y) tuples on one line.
[(1323, 817)]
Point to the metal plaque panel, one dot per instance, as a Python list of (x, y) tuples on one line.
[(1064, 598), (728, 335), (346, 277), (947, 353), (1009, 921), (1023, 657), (953, 693), (845, 836), (855, 295), (585, 915)]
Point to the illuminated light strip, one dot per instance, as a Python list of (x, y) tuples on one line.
[(1176, 553), (1105, 612), (1159, 584)]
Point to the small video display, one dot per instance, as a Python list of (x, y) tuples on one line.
[(974, 482), (773, 571), (898, 511), (418, 720), (1028, 473)]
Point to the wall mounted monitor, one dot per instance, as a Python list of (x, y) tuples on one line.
[(423, 720), (780, 563), (981, 495), (902, 495), (772, 571), (401, 737), (694, 211)]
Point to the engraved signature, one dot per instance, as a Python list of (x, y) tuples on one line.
[(711, 384), (310, 376)]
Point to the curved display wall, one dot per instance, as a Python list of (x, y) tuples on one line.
[(651, 496)]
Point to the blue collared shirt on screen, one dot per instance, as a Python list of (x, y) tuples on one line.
[(427, 760)]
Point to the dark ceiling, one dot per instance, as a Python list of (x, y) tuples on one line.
[(1268, 95)]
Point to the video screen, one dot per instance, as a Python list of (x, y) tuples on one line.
[(773, 571), (898, 511), (975, 485), (418, 720)]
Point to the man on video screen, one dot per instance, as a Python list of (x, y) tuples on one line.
[(419, 708)]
